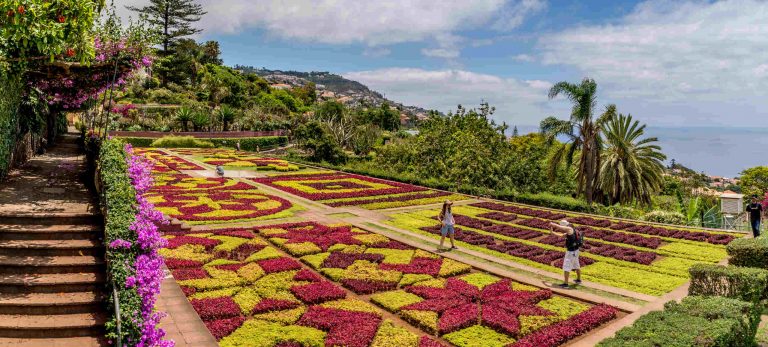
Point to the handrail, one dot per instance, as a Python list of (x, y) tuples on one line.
[(116, 299)]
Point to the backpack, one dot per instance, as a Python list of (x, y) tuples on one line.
[(579, 238)]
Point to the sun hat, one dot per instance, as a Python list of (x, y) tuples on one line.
[(449, 202), (565, 223)]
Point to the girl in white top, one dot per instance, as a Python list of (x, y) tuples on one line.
[(447, 222)]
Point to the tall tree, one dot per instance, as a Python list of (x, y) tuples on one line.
[(174, 18), (582, 132), (631, 168)]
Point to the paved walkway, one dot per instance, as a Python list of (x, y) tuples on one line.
[(181, 323)]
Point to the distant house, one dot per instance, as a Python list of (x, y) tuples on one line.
[(280, 86), (421, 116), (404, 119), (327, 94)]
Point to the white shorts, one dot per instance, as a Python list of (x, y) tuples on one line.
[(571, 261)]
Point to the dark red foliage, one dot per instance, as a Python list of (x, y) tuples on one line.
[(342, 260), (189, 273), (172, 263), (191, 240), (269, 305), (216, 308), (368, 286), (318, 292), (279, 265), (188, 291), (417, 266), (230, 267), (345, 328), (306, 275), (559, 333), (427, 341), (220, 328)]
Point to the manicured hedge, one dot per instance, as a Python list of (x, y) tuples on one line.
[(743, 283), (749, 252), (118, 198), (181, 142), (696, 321), (247, 144)]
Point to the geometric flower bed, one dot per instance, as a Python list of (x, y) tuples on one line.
[(215, 206), (237, 160), (249, 293), (702, 236), (166, 163), (340, 189), (652, 265), (360, 261), (481, 309)]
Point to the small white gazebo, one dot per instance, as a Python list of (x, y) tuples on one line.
[(731, 208)]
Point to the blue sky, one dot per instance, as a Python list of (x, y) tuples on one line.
[(668, 63)]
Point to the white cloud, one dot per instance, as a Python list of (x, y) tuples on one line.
[(672, 51), (513, 16), (527, 58), (517, 102), (376, 52), (372, 23)]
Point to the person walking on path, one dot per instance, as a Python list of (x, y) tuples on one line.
[(219, 170), (238, 146), (755, 209), (573, 241), (447, 222)]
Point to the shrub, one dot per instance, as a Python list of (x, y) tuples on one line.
[(747, 284), (138, 141), (749, 252), (745, 313), (661, 328), (181, 142), (246, 144), (664, 217)]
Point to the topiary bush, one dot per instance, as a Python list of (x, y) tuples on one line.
[(747, 314), (749, 252), (747, 284), (181, 142), (696, 321)]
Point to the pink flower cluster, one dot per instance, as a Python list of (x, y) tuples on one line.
[(148, 272)]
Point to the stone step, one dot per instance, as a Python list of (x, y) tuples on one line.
[(56, 218), (50, 303), (52, 283), (14, 264), (51, 232), (50, 248), (52, 326), (82, 341)]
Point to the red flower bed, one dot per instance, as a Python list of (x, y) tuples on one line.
[(320, 235), (279, 265), (426, 195), (341, 260), (223, 327), (417, 266), (367, 286), (216, 308), (190, 240), (336, 185), (269, 305), (318, 292), (181, 263), (396, 187), (606, 250), (189, 273), (559, 333), (191, 204), (306, 275), (520, 210), (345, 328)]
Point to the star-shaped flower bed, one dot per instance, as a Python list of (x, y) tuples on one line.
[(461, 302)]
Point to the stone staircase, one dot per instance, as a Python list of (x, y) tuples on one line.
[(52, 271), (52, 277)]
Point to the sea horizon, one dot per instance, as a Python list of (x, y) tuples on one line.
[(715, 151)]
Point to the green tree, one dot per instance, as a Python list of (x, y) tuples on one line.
[(226, 116), (200, 120), (631, 166), (173, 18), (183, 116), (366, 136), (582, 132), (754, 181), (315, 138)]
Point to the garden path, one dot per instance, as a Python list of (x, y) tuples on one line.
[(51, 256)]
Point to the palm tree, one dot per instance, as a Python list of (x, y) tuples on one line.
[(631, 167), (582, 133), (184, 116), (226, 115), (200, 120)]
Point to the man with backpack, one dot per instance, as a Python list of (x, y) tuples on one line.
[(574, 239)]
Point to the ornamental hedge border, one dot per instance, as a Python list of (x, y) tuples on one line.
[(246, 144), (118, 198), (749, 252), (696, 321), (742, 283)]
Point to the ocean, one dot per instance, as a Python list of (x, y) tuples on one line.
[(716, 151)]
